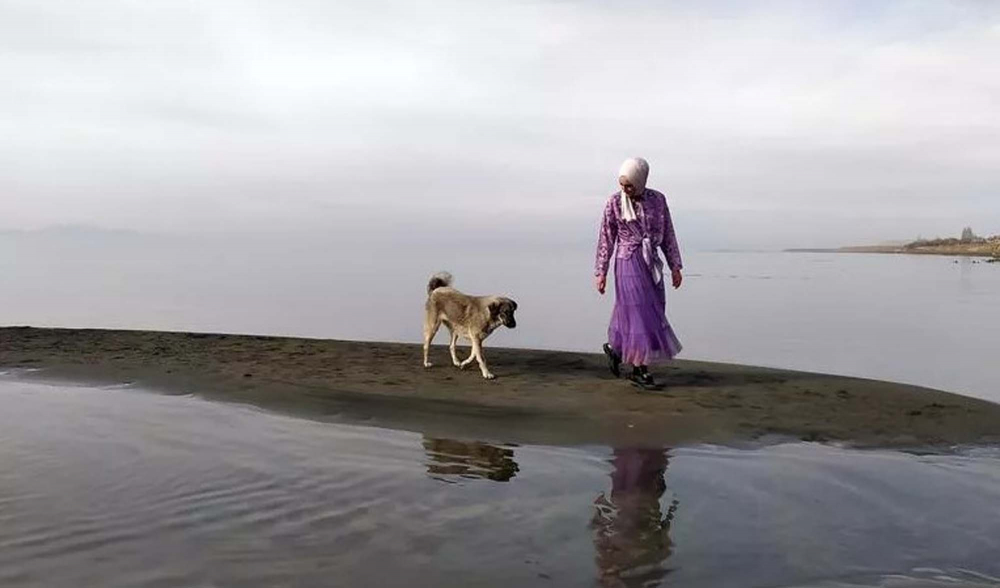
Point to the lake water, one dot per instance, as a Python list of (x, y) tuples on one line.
[(118, 487), (933, 321)]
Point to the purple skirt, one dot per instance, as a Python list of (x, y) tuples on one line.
[(639, 330)]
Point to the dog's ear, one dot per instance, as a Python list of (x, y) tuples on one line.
[(494, 310)]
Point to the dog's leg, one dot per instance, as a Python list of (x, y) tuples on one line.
[(431, 326), (477, 351), (472, 354), (452, 347)]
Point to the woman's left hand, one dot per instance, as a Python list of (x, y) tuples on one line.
[(678, 278)]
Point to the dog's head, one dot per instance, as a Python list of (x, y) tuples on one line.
[(502, 309)]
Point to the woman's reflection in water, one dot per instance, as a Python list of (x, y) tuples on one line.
[(631, 533)]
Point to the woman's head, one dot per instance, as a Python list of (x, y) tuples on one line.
[(632, 176)]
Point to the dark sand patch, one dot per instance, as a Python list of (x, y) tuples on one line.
[(540, 396)]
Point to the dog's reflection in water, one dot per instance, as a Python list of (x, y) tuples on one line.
[(630, 530), (448, 458)]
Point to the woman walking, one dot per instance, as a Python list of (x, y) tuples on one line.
[(637, 224)]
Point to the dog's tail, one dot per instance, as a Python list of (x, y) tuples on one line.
[(439, 280)]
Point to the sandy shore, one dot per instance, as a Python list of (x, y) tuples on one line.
[(540, 396)]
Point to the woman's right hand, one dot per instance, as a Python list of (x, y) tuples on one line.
[(601, 282)]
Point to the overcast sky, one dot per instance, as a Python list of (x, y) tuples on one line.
[(179, 115)]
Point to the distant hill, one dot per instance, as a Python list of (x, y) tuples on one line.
[(970, 245)]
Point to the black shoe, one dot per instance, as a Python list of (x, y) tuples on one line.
[(641, 378), (614, 361)]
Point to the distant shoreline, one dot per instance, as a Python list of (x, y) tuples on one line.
[(987, 250), (541, 397)]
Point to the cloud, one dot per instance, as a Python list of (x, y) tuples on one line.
[(177, 115)]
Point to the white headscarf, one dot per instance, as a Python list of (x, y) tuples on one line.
[(636, 170)]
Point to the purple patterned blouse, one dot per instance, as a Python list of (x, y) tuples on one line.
[(653, 222)]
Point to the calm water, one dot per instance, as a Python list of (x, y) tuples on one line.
[(118, 487), (933, 321)]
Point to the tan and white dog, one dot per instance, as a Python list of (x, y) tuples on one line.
[(469, 317)]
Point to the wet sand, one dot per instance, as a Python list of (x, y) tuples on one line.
[(539, 396)]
